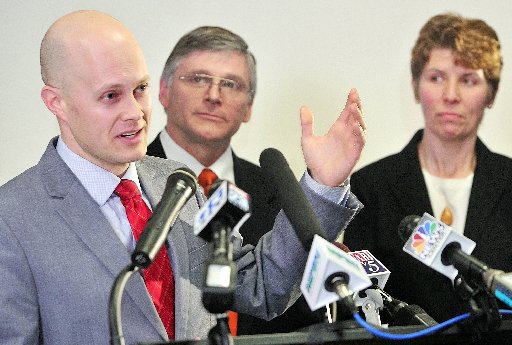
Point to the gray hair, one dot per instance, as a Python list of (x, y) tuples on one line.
[(210, 38)]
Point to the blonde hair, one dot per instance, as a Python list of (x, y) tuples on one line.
[(475, 43)]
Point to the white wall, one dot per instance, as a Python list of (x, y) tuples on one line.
[(309, 53)]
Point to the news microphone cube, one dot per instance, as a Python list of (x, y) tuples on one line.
[(428, 241), (373, 267), (324, 260), (228, 200)]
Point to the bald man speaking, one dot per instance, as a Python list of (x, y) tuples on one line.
[(66, 223)]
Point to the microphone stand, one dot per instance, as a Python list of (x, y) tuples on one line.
[(471, 287), (219, 283), (484, 310), (371, 302), (220, 334), (114, 306)]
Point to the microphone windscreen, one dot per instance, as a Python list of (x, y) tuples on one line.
[(293, 200), (407, 226), (180, 187)]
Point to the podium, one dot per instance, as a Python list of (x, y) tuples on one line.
[(350, 333)]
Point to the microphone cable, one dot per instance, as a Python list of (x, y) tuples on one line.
[(421, 333)]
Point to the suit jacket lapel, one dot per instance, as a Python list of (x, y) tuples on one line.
[(94, 231), (242, 174), (489, 180), (153, 174), (246, 180), (409, 187)]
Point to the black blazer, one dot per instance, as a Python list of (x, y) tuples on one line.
[(249, 177), (394, 187), (265, 207)]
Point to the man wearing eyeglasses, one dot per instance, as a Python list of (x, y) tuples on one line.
[(207, 90)]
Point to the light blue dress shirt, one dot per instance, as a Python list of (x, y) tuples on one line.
[(100, 185)]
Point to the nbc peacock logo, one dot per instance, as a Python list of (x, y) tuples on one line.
[(426, 237)]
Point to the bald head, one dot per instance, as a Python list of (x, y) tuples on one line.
[(72, 35), (97, 86)]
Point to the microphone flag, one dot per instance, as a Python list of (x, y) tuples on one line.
[(428, 240), (324, 260)]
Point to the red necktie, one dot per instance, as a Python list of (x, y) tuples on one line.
[(158, 276), (205, 179)]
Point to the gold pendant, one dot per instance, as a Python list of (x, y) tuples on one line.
[(447, 216)]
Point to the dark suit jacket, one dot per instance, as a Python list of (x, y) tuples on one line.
[(250, 178), (265, 206), (393, 188)]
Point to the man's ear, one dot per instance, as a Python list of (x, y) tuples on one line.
[(163, 93), (248, 114), (52, 98)]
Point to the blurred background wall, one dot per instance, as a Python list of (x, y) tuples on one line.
[(308, 53)]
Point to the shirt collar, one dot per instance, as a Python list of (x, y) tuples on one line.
[(98, 182), (223, 166)]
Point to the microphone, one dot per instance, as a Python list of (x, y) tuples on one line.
[(331, 275), (293, 200), (501, 284), (181, 185), (374, 269), (374, 298), (437, 246), (370, 300), (226, 203), (227, 209), (403, 314)]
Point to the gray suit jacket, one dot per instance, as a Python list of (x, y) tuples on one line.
[(59, 258)]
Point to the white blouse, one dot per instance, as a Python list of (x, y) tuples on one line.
[(453, 193)]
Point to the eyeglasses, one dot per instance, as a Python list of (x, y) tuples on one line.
[(228, 87)]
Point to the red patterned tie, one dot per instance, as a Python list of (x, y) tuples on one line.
[(205, 179), (158, 276)]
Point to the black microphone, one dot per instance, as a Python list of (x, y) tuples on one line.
[(181, 185), (293, 200), (446, 251), (403, 314), (330, 274), (374, 299), (227, 209)]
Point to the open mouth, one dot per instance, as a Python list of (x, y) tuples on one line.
[(130, 135)]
